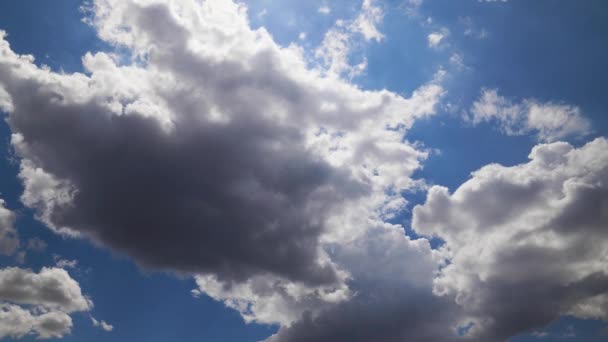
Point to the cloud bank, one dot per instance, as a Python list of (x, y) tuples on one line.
[(207, 149)]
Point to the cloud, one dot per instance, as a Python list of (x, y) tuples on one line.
[(222, 153), (52, 288), (36, 244), (548, 121), (457, 61), (391, 280), (224, 156), (471, 29), (336, 50), (64, 263), (17, 322), (325, 10), (9, 239), (369, 18), (208, 149), (411, 7), (527, 243), (38, 303), (102, 324), (437, 38)]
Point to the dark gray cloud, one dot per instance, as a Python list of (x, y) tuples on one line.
[(197, 199), (379, 315), (219, 152)]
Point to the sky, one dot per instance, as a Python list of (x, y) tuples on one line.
[(285, 171)]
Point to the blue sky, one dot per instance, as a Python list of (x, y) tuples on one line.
[(540, 53)]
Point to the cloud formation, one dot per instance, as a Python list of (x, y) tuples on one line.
[(222, 152), (103, 325), (548, 121), (9, 239), (340, 42), (203, 147), (38, 303), (435, 39), (526, 243)]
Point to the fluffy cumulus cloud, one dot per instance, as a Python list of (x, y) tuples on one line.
[(436, 39), (219, 153), (548, 121), (526, 243), (215, 151), (203, 147), (38, 303), (9, 239)]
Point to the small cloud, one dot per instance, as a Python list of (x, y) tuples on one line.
[(569, 333), (196, 293), (549, 121), (262, 13), (37, 245), (20, 257), (435, 38), (411, 7), (540, 334), (368, 20), (102, 324), (325, 10), (457, 61), (64, 263), (302, 35), (471, 29)]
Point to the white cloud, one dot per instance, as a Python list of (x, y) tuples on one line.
[(471, 29), (38, 303), (102, 324), (324, 10), (457, 61), (52, 288), (527, 243), (367, 22), (412, 7), (548, 121), (64, 263), (337, 47), (437, 39), (17, 322), (9, 239)]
